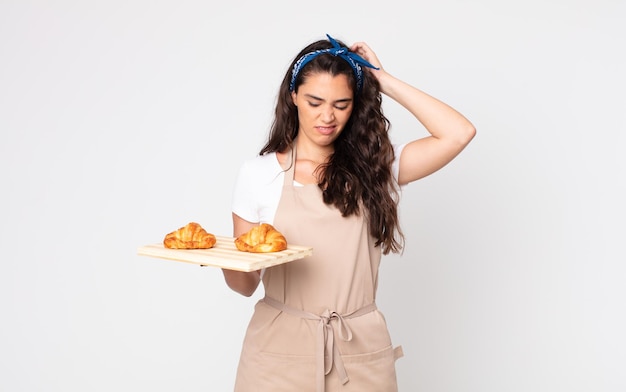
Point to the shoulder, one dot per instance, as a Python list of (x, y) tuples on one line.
[(268, 160), (260, 168), (260, 163)]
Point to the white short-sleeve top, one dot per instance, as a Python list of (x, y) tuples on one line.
[(259, 185)]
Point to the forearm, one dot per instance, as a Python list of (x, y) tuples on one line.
[(244, 283), (449, 130), (439, 119)]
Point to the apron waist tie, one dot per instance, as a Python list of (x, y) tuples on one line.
[(326, 347)]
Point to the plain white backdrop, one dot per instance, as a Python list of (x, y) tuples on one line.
[(123, 120)]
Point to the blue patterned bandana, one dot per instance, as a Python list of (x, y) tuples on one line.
[(352, 58)]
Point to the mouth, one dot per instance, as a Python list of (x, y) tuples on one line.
[(326, 130)]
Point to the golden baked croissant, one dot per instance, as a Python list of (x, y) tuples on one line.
[(261, 239), (191, 236)]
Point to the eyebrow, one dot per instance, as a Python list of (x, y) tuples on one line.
[(321, 99)]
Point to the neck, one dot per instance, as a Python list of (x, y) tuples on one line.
[(313, 153)]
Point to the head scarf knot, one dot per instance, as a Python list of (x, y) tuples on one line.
[(352, 58)]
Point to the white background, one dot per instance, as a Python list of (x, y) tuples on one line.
[(123, 120)]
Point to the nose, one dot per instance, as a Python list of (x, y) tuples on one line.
[(328, 114)]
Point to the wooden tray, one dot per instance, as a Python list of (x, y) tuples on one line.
[(225, 255)]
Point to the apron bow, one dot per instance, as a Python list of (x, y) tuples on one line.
[(326, 347)]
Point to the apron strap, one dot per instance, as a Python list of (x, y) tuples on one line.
[(290, 173), (326, 347), (398, 353)]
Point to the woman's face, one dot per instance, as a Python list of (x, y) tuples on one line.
[(324, 106)]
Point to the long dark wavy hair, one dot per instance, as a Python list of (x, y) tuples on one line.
[(358, 174)]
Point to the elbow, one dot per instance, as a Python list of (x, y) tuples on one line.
[(244, 283), (245, 291), (467, 134), (462, 137)]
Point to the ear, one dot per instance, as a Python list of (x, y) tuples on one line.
[(293, 97)]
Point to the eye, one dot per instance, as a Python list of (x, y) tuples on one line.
[(342, 107)]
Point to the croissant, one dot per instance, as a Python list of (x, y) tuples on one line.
[(261, 239), (191, 236)]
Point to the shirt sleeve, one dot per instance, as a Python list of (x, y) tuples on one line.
[(244, 202), (395, 166), (257, 189)]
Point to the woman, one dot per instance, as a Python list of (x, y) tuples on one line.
[(329, 178)]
